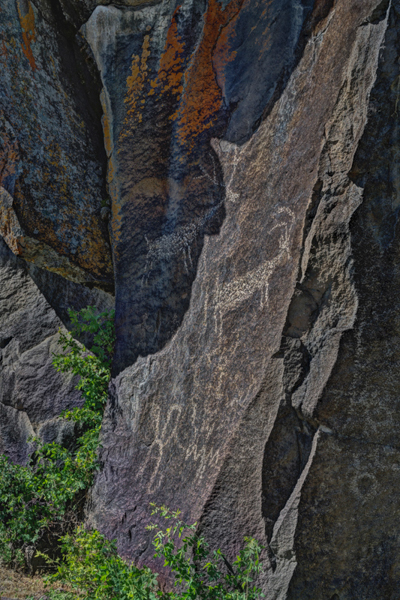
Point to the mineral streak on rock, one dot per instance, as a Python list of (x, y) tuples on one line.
[(52, 159)]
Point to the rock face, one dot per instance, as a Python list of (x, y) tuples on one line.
[(32, 393), (174, 77), (251, 169), (52, 156)]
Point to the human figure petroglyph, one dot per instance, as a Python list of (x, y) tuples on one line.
[(162, 435), (165, 433), (222, 147)]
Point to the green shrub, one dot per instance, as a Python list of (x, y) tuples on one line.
[(44, 495), (200, 573), (92, 568)]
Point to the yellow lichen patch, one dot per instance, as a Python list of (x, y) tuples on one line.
[(135, 85), (64, 228), (95, 256), (27, 21), (44, 257), (202, 99), (35, 251)]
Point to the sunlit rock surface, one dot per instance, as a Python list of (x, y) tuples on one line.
[(239, 158)]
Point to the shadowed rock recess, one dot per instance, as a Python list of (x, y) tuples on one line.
[(229, 169)]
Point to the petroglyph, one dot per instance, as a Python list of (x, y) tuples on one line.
[(171, 245), (179, 242), (222, 147), (161, 436), (165, 430), (232, 294)]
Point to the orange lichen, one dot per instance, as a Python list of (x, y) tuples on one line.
[(199, 90), (168, 80), (189, 96), (171, 71), (169, 77), (202, 99), (27, 22)]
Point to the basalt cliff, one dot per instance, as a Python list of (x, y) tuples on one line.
[(226, 173)]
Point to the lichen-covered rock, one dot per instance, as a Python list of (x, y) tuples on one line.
[(52, 159), (174, 77)]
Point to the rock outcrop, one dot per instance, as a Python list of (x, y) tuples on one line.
[(250, 203), (53, 162), (32, 393)]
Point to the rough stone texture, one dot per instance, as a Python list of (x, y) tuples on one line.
[(252, 152), (32, 393), (52, 159), (209, 424), (350, 499)]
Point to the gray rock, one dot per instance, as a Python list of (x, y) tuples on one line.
[(233, 421), (32, 393), (52, 153)]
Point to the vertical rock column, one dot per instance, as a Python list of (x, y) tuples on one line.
[(176, 75), (189, 425)]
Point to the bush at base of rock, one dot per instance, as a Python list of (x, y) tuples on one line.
[(41, 501), (92, 568)]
